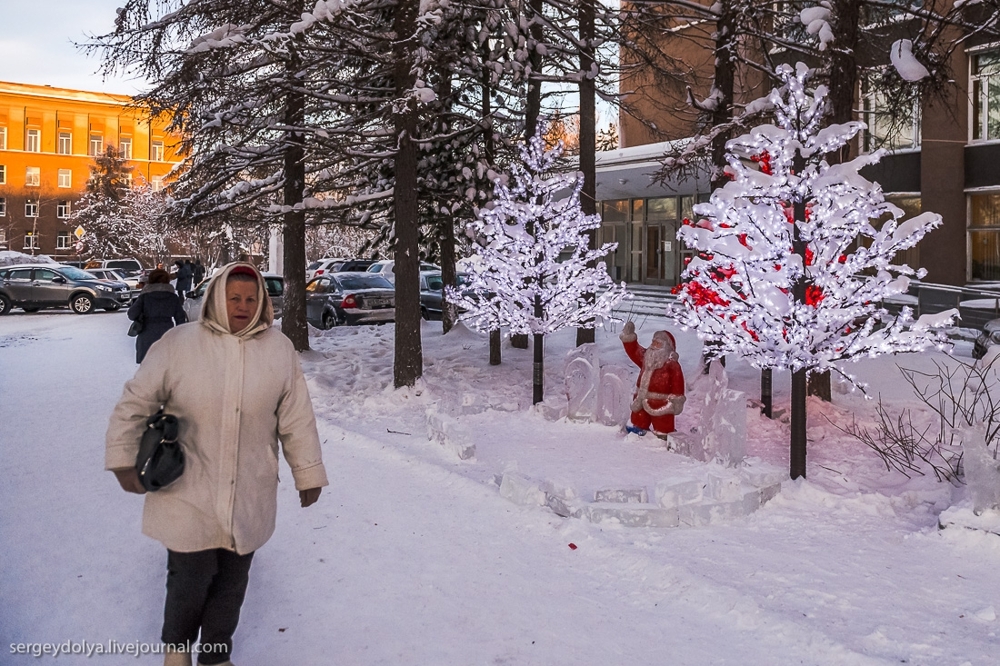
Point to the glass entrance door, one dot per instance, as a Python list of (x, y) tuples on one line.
[(660, 266)]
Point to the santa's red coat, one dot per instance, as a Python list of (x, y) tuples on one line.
[(667, 379)]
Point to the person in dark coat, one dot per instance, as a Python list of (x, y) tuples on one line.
[(197, 273), (184, 274), (159, 307)]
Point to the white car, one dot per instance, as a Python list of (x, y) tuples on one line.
[(386, 269), (323, 266)]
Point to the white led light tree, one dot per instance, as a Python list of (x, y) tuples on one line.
[(536, 269), (792, 265)]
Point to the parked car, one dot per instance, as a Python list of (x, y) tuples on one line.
[(432, 292), (127, 267), (275, 285), (32, 287), (115, 276), (321, 266), (988, 338), (386, 268), (337, 299)]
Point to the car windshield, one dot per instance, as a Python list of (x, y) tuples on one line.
[(364, 282), (76, 273), (275, 286), (314, 265)]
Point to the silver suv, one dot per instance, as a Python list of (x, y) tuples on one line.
[(32, 287)]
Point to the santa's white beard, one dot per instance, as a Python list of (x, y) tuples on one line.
[(656, 358)]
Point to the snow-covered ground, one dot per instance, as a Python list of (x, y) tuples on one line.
[(412, 556)]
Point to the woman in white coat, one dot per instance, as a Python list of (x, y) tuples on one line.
[(236, 386)]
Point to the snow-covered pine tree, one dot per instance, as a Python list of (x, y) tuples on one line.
[(534, 275), (100, 211), (791, 271)]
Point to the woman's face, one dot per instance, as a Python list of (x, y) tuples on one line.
[(241, 303)]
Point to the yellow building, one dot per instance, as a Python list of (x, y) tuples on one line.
[(48, 138)]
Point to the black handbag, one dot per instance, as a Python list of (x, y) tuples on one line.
[(137, 326), (161, 460)]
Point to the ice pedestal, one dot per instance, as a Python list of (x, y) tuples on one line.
[(982, 470)]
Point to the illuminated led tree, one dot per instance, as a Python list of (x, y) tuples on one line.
[(792, 265), (537, 270)]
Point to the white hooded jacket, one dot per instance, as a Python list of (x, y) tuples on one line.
[(235, 396)]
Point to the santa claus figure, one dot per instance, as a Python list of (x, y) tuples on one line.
[(659, 392)]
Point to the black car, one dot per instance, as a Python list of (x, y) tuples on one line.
[(989, 337), (336, 299), (32, 287), (432, 292)]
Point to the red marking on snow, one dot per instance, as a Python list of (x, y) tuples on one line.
[(572, 546)]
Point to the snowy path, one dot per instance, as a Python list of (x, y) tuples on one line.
[(409, 559)]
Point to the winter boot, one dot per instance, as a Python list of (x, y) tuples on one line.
[(177, 659)]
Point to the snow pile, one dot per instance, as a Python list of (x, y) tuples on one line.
[(902, 58), (10, 258), (817, 22)]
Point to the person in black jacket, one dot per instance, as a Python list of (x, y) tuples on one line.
[(159, 307), (197, 273), (184, 274)]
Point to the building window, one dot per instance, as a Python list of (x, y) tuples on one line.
[(3, 174), (3, 239), (984, 236), (31, 208), (893, 129), (3, 138), (96, 145), (30, 241), (64, 241), (125, 148), (33, 141), (62, 210), (65, 178), (128, 179), (157, 183), (65, 146), (33, 176), (3, 207), (986, 96), (157, 151)]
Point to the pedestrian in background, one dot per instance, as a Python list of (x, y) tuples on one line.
[(197, 272), (159, 308), (183, 276), (236, 387)]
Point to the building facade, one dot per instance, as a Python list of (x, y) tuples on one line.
[(947, 160), (48, 139)]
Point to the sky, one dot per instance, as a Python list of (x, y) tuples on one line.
[(36, 43)]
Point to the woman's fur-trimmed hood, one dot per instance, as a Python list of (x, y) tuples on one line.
[(214, 315)]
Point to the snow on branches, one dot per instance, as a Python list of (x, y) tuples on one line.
[(534, 245), (796, 256)]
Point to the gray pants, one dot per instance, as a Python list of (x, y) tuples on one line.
[(205, 591)]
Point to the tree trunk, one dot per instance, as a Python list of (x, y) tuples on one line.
[(766, 393), (533, 103), (449, 313), (490, 154), (408, 359), (588, 140), (797, 446), (293, 318), (843, 88)]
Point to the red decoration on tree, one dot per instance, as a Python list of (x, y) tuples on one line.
[(809, 256), (814, 295)]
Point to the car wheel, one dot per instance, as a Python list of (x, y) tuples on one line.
[(31, 308), (4, 305), (82, 304), (424, 314), (329, 320)]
